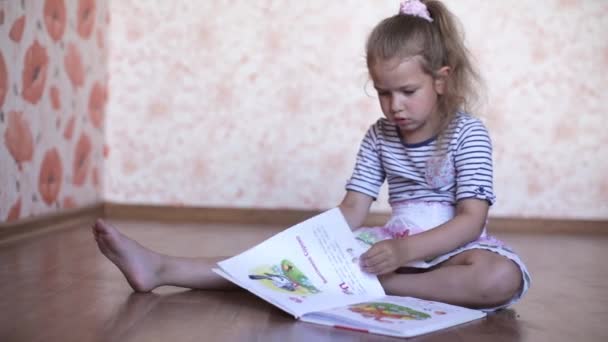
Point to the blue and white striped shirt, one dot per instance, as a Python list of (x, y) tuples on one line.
[(418, 172)]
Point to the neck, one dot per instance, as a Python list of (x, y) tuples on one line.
[(428, 130)]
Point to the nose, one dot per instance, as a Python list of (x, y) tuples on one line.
[(396, 103)]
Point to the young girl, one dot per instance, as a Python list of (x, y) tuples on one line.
[(437, 161)]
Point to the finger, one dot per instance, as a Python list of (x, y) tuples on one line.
[(379, 265), (370, 253), (377, 269), (375, 250), (374, 259), (381, 269)]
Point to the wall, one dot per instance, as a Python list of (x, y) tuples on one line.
[(263, 103), (53, 91)]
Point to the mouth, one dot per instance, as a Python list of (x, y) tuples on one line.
[(402, 121)]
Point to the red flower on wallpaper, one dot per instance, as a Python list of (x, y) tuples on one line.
[(106, 151), (3, 79), (16, 31), (95, 178), (55, 98), (36, 63), (69, 128), (14, 212), (100, 39), (97, 103), (55, 18), (51, 174), (86, 18), (68, 203), (18, 138), (73, 65), (82, 159)]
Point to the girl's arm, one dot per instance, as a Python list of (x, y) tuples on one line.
[(466, 226), (355, 207)]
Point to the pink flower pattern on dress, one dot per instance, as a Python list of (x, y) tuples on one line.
[(400, 227), (440, 171)]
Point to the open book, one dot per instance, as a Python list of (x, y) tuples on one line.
[(311, 270)]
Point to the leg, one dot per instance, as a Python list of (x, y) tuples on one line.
[(146, 270), (473, 278)]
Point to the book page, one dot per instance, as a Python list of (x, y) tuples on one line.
[(396, 316), (308, 267)]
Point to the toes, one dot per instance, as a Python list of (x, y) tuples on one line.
[(96, 227), (102, 227), (99, 224)]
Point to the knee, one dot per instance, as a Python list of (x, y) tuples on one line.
[(499, 281)]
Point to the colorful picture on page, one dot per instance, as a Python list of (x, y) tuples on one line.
[(387, 312), (285, 277)]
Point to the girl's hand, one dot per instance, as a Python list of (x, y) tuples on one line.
[(384, 257)]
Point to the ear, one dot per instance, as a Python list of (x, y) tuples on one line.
[(441, 77)]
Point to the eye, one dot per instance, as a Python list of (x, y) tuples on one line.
[(383, 93), (408, 91)]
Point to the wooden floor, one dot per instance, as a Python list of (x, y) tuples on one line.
[(58, 287)]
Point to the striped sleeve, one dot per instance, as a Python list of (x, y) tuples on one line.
[(473, 163), (368, 174)]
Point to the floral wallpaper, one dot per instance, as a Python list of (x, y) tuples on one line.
[(264, 103), (53, 92)]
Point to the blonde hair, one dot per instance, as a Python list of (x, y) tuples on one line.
[(440, 43)]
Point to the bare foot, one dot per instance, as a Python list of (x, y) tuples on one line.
[(140, 265)]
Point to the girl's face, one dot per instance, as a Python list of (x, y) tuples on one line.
[(408, 96)]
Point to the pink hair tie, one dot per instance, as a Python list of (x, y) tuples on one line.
[(415, 8)]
